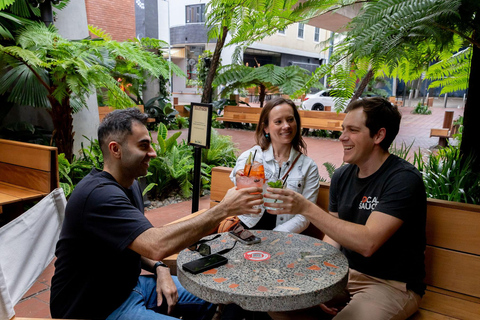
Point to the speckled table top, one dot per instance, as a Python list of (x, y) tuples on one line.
[(286, 271)]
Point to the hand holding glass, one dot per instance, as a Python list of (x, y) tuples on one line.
[(254, 176), (277, 184)]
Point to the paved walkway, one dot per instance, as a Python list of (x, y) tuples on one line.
[(414, 128)]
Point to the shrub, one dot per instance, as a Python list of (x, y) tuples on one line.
[(421, 109), (448, 176)]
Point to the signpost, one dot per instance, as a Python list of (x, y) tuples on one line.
[(199, 136)]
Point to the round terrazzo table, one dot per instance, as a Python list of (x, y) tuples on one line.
[(286, 271)]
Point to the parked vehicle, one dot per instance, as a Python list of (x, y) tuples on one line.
[(319, 100)]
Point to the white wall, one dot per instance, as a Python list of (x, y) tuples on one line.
[(72, 24)]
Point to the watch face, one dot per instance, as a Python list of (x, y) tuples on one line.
[(140, 4)]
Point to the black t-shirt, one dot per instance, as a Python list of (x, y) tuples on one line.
[(95, 272), (395, 189)]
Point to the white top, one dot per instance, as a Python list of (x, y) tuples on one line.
[(303, 178)]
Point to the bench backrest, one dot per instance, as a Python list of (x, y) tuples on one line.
[(448, 120), (103, 111), (322, 115), (29, 165), (235, 109), (452, 256)]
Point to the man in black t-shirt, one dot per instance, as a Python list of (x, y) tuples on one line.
[(106, 240), (377, 217)]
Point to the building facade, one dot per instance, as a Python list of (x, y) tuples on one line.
[(182, 24)]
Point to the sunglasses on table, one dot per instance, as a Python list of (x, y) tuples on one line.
[(205, 250)]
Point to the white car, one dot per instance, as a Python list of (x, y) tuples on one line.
[(319, 100)]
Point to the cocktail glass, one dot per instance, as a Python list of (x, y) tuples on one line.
[(270, 200), (254, 177)]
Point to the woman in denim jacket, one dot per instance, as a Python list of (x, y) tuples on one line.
[(281, 149)]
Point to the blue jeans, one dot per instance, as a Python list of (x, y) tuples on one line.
[(142, 304)]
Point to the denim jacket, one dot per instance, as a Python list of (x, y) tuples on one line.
[(303, 178)]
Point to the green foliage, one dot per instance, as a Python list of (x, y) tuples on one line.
[(447, 176), (421, 109), (288, 79), (70, 174), (275, 184), (401, 151), (459, 122), (330, 167), (161, 109), (172, 169)]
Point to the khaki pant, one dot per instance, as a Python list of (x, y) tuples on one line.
[(370, 299)]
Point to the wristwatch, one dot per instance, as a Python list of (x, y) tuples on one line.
[(158, 264)]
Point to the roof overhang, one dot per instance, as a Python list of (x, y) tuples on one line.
[(335, 21)]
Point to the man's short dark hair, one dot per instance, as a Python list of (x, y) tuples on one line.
[(380, 113), (117, 125)]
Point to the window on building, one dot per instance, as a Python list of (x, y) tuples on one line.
[(195, 13), (316, 37), (191, 56), (301, 27), (281, 31)]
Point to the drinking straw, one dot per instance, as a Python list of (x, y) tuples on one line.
[(253, 159)]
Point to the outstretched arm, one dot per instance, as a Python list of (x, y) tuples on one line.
[(363, 239), (157, 243)]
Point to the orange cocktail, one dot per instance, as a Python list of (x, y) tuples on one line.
[(254, 176)]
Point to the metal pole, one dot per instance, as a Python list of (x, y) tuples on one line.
[(445, 101), (46, 12), (170, 56), (197, 166)]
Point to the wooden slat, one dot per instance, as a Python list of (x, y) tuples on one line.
[(450, 306), (220, 183), (26, 154), (26, 177), (453, 225), (7, 199), (235, 109), (19, 192), (327, 115), (453, 271), (323, 195)]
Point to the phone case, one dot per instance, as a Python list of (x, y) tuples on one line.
[(204, 263), (250, 240)]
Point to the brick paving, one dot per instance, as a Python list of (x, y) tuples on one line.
[(414, 128)]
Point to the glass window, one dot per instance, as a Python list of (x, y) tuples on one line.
[(316, 37), (281, 31), (195, 13), (301, 26), (191, 55)]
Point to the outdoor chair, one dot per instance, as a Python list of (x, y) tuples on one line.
[(27, 246)]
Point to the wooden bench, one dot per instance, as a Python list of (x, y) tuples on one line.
[(322, 120), (103, 111), (452, 256), (447, 131), (27, 172), (240, 114), (182, 112), (395, 102)]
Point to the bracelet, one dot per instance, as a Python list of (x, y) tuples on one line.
[(158, 264)]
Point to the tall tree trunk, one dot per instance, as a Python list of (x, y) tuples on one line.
[(471, 114), (262, 94), (61, 114), (207, 87), (363, 85)]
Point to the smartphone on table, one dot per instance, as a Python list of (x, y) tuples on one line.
[(205, 263), (244, 236)]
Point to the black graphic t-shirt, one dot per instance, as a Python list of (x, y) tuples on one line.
[(395, 189)]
